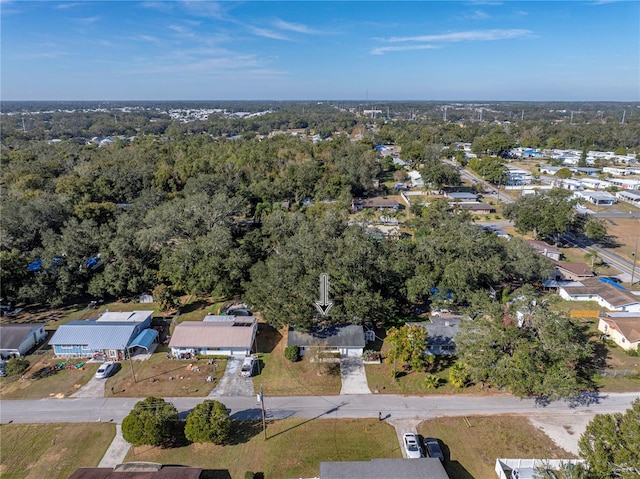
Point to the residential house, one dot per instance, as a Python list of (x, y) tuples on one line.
[(596, 197), (425, 468), (441, 333), (569, 184), (416, 179), (528, 468), (461, 196), (626, 183), (611, 296), (630, 196), (226, 335), (595, 183), (375, 203), (550, 170), (545, 249), (622, 328), (474, 208), (18, 339), (114, 335), (140, 470), (346, 339), (566, 271), (615, 171), (587, 171), (518, 176)]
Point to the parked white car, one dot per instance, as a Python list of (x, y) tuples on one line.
[(106, 369), (412, 446), (248, 365)]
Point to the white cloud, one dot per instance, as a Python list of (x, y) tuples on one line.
[(383, 50), (64, 6), (478, 15), (264, 32), (471, 35), (87, 20), (294, 27)]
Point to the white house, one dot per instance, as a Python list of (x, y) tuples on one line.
[(416, 179), (614, 298), (518, 176), (346, 339), (595, 184), (528, 468), (611, 170), (622, 328), (630, 196), (596, 197), (225, 335), (569, 184), (18, 339), (626, 183)]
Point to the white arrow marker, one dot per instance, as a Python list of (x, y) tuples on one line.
[(324, 305)]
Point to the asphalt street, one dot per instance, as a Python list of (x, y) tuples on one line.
[(352, 406)]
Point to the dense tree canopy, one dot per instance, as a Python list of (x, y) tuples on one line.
[(611, 444), (544, 354)]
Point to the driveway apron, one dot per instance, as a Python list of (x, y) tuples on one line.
[(354, 378), (93, 389), (232, 383)]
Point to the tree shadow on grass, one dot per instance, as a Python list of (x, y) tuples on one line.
[(215, 474), (243, 431)]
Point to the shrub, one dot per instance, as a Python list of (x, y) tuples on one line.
[(249, 475), (152, 422), (431, 381), (292, 353), (16, 366), (208, 422)]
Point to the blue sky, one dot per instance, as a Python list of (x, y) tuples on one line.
[(200, 50)]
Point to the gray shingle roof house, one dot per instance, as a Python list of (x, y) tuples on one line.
[(441, 332), (18, 339), (347, 339), (426, 468)]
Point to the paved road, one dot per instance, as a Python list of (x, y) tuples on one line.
[(356, 406), (613, 259)]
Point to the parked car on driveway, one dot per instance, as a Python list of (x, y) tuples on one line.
[(412, 446), (248, 366), (106, 369), (432, 448)]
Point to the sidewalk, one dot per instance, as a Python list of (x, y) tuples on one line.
[(117, 450)]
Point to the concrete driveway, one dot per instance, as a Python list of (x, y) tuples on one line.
[(232, 383), (354, 378), (93, 389), (403, 426)]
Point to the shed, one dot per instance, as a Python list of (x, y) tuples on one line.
[(346, 339), (18, 339)]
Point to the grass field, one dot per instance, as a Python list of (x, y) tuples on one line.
[(284, 378), (294, 447), (37, 385), (53, 451), (471, 452)]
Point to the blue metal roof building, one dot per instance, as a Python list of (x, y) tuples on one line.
[(91, 338)]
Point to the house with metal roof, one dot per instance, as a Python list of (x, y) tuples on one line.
[(546, 249), (630, 196), (113, 335), (346, 339), (596, 197), (425, 468), (530, 468), (226, 335), (18, 339)]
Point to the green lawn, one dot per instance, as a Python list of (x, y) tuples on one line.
[(53, 451), (281, 377), (471, 452), (294, 448)]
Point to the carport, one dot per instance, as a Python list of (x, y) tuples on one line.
[(144, 340)]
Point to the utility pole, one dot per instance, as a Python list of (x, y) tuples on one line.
[(133, 373), (264, 422), (633, 269)]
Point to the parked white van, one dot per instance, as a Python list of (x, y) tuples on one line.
[(248, 365)]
